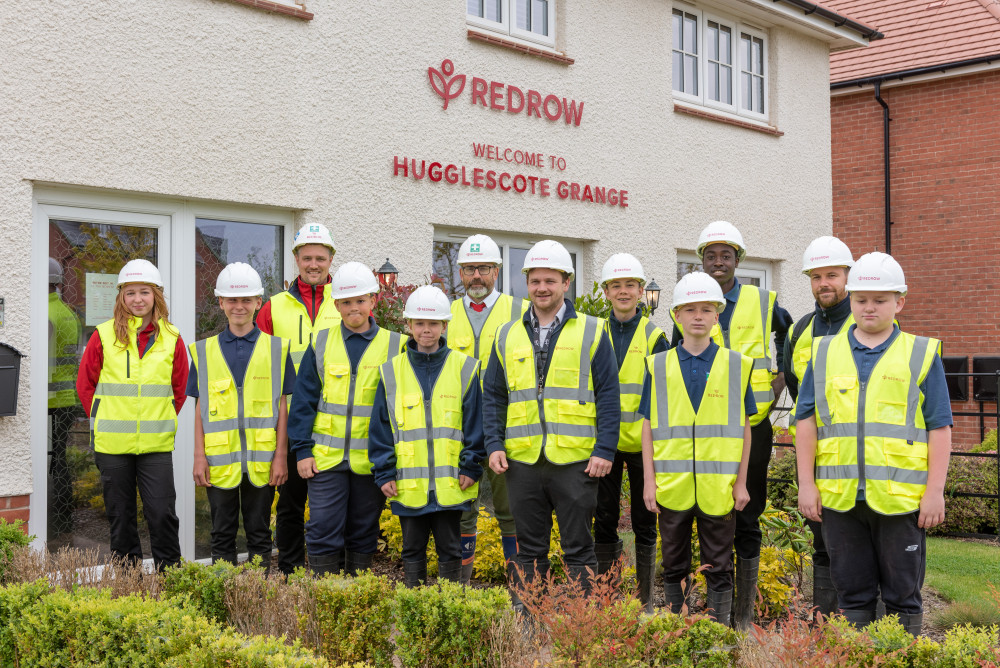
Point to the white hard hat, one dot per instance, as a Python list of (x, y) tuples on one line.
[(313, 233), (479, 248), (622, 265), (698, 287), (826, 252), (427, 303), (549, 254), (55, 271), (140, 271), (238, 280), (353, 279), (721, 232), (876, 272)]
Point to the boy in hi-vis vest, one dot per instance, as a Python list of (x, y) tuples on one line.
[(239, 379), (425, 439), (696, 445), (872, 444)]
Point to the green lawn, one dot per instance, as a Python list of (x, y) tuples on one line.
[(962, 573)]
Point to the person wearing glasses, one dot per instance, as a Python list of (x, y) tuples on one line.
[(474, 323)]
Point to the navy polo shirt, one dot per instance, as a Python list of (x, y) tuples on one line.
[(936, 407), (357, 342), (622, 333), (694, 371), (236, 350)]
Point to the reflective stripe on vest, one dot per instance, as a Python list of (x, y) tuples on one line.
[(802, 353), (462, 338), (871, 434), (696, 456), (290, 320), (133, 410), (630, 378), (240, 422), (345, 404), (562, 417), (750, 333), (428, 433), (64, 353)]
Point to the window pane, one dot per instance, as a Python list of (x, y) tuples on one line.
[(676, 29), (745, 51), (758, 101), (757, 59), (712, 81), (474, 7), (678, 70), (745, 90), (685, 268), (445, 264), (523, 14), (712, 40), (540, 17), (726, 94), (690, 34), (726, 45), (691, 75)]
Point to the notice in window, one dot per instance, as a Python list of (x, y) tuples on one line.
[(101, 291)]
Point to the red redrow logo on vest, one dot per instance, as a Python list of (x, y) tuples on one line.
[(893, 378)]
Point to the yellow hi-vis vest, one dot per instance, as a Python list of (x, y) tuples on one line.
[(345, 406), (428, 433), (462, 337), (133, 411), (802, 353), (750, 333), (240, 422), (560, 416), (630, 378), (872, 431), (696, 455), (291, 321), (64, 353)]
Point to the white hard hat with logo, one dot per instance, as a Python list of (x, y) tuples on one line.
[(313, 233), (238, 280), (698, 287), (622, 265), (55, 271), (479, 248), (549, 254), (876, 272), (826, 252), (353, 279), (721, 232), (427, 303), (140, 271)]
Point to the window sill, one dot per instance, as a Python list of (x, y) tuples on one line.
[(277, 8), (507, 43), (709, 114)]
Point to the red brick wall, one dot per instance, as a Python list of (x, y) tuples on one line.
[(15, 508), (945, 164)]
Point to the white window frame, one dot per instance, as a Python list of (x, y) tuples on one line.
[(506, 240), (508, 24), (738, 29), (176, 222)]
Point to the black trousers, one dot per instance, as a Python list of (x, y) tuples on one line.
[(536, 490), (820, 555), (715, 540), (290, 519), (60, 485), (344, 508), (872, 553), (153, 474), (748, 534), (226, 506), (609, 492), (444, 524)]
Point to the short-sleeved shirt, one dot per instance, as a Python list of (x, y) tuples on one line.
[(236, 350), (936, 407), (694, 371)]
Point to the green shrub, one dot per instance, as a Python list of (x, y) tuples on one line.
[(14, 599), (969, 514), (783, 494), (354, 618), (989, 443), (204, 586), (12, 537), (448, 624)]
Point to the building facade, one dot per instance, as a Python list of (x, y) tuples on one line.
[(200, 132)]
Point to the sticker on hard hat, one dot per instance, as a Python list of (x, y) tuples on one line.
[(819, 257), (697, 292), (238, 286), (537, 259), (715, 234), (429, 310), (869, 278), (474, 248), (347, 287), (622, 270)]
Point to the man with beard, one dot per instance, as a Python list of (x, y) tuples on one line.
[(475, 320), (826, 261)]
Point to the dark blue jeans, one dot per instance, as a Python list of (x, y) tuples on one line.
[(344, 508)]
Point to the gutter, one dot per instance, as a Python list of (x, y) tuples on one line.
[(917, 71), (838, 20), (885, 162)]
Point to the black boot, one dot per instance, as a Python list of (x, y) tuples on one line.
[(607, 554), (720, 604), (582, 575), (645, 573), (673, 594), (415, 572), (746, 592), (265, 561), (450, 570), (859, 618), (912, 623), (225, 558), (322, 564), (824, 593), (358, 563)]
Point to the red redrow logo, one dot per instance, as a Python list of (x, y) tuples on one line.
[(347, 287), (898, 380), (819, 257), (421, 308), (622, 271), (696, 292), (711, 235), (233, 287), (869, 278)]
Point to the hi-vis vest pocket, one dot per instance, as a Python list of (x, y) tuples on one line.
[(260, 409), (266, 439), (405, 455), (337, 383), (463, 343), (217, 443), (574, 409), (891, 412), (565, 376), (408, 484), (908, 457), (222, 399), (844, 395), (368, 394), (828, 455), (412, 405)]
